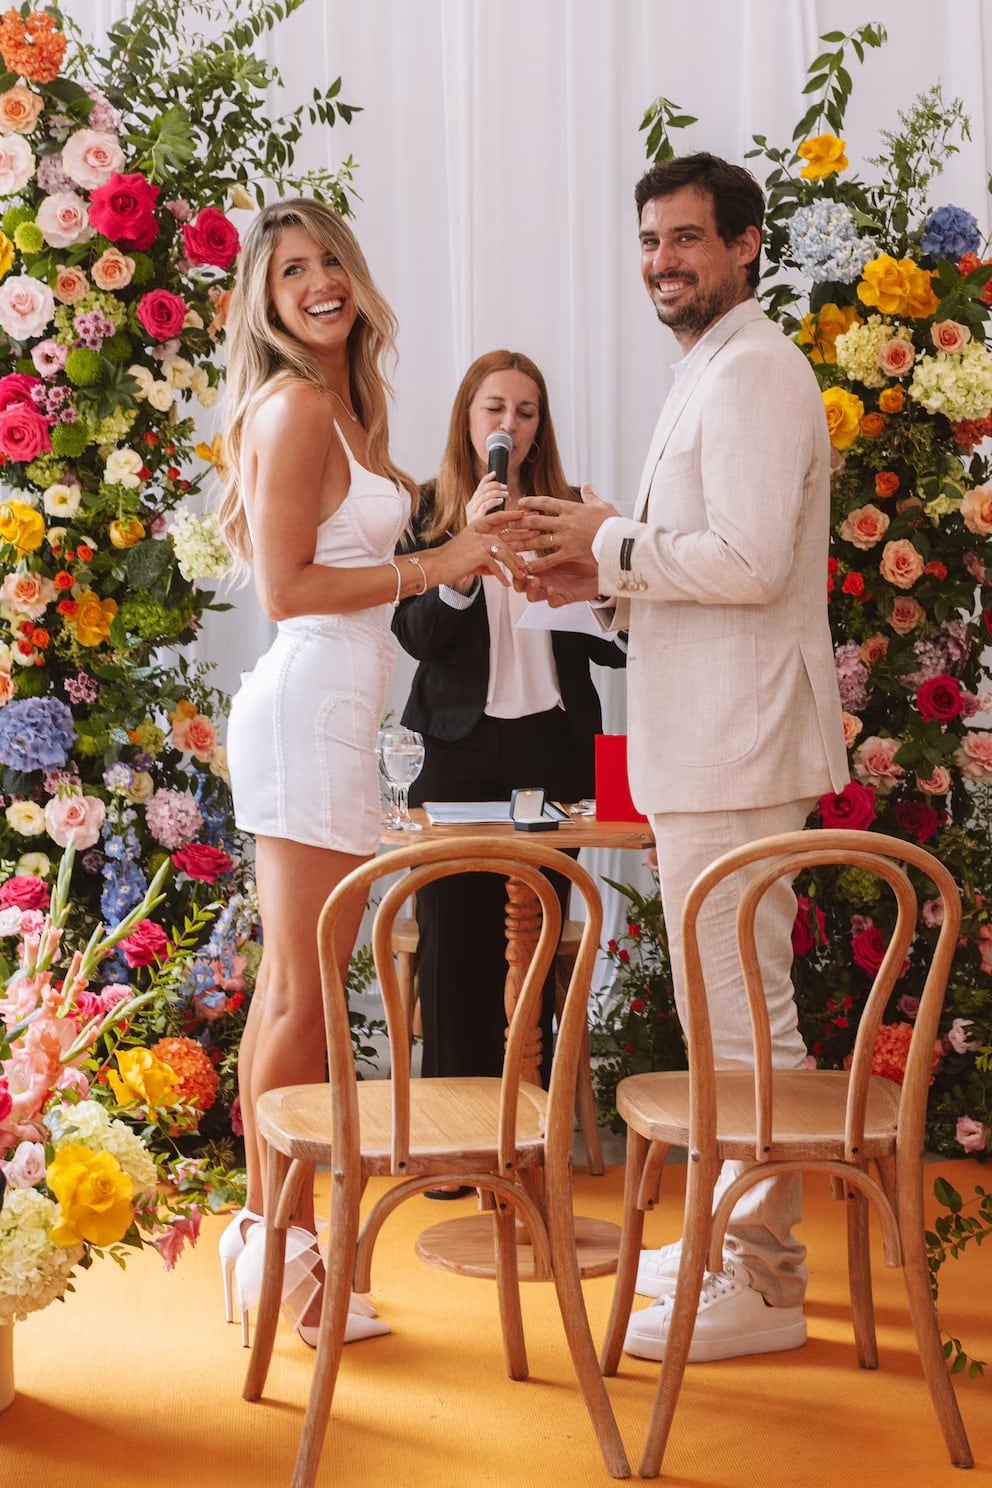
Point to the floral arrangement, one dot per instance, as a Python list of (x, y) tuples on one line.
[(78, 1174), (117, 252)]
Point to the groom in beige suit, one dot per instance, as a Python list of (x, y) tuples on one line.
[(734, 717)]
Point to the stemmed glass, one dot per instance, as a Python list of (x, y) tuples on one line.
[(400, 752)]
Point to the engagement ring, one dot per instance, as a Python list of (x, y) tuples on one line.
[(494, 549)]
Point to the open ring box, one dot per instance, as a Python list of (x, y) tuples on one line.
[(531, 812)]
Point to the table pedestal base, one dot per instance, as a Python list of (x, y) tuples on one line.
[(466, 1246)]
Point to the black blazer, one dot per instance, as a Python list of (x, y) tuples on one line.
[(448, 694)]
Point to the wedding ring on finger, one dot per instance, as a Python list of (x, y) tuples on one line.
[(494, 549)]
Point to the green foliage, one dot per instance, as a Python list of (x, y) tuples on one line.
[(952, 1232)]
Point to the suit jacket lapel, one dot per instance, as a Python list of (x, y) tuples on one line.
[(715, 341)]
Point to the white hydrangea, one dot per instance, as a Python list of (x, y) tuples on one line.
[(858, 349), (33, 1269), (88, 1124), (958, 385), (201, 551)]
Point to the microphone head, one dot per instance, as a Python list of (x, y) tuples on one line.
[(499, 439)]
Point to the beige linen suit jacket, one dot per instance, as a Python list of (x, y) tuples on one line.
[(720, 581)]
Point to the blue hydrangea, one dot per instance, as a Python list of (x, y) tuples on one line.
[(949, 233), (36, 734), (825, 245)]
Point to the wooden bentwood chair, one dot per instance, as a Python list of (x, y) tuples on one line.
[(505, 1136), (829, 1121)]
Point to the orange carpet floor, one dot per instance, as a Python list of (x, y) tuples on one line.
[(136, 1380)]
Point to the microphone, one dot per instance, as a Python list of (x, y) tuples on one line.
[(498, 446)]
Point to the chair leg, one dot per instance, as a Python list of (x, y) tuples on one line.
[(916, 1275), (406, 977), (859, 1279), (700, 1185), (631, 1233), (267, 1315), (585, 1101), (508, 1290), (333, 1321)]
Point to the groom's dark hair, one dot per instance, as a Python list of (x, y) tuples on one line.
[(737, 199)]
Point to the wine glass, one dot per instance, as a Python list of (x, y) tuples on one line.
[(392, 817), (401, 759)]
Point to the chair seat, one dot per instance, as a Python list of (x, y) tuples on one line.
[(809, 1109), (449, 1118)]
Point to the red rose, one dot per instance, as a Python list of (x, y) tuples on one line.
[(146, 944), (25, 891), (16, 389), (852, 807), (939, 698), (637, 1005), (918, 819), (202, 862), (23, 433), (211, 239), (868, 950), (162, 314), (804, 938), (854, 584), (124, 210)]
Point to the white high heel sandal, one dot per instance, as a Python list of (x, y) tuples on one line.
[(299, 1288), (230, 1246)]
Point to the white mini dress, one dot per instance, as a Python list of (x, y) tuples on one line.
[(301, 735)]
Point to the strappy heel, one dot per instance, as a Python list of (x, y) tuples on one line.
[(301, 1285), (232, 1242)]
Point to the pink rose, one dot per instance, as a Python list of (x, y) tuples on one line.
[(896, 357), (16, 164), (937, 783), (196, 734), (25, 892), (959, 1038), (79, 814), (901, 564), (26, 1169), (26, 307), (24, 433), (123, 210), (864, 527), (63, 220), (146, 944), (975, 755), (852, 728), (91, 156), (852, 807), (875, 763), (971, 1134), (976, 510), (906, 615), (949, 335), (113, 270), (211, 239), (28, 593), (16, 390), (198, 860), (162, 314), (71, 284), (939, 698)]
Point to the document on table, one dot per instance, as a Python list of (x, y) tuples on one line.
[(449, 813), (573, 617)]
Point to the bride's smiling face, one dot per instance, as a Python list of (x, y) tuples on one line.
[(310, 294)]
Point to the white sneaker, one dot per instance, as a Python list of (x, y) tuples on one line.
[(732, 1320), (658, 1270)]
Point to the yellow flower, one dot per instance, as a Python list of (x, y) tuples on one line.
[(126, 532), (213, 453), (22, 526), (920, 298), (820, 331), (94, 1195), (240, 198), (143, 1079), (844, 413), (92, 618), (184, 709), (6, 254), (886, 283), (824, 156)]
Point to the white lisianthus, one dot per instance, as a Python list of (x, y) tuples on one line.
[(38, 864), (193, 320), (201, 551), (203, 388), (178, 372), (142, 377), (161, 395), (240, 198), (26, 817), (61, 500), (122, 468)]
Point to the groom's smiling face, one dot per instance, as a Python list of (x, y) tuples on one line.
[(692, 276)]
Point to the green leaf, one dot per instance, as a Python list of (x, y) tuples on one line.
[(946, 1194)]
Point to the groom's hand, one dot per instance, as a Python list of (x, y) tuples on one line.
[(564, 530)]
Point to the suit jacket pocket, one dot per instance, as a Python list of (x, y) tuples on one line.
[(707, 704)]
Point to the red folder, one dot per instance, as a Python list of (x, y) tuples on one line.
[(613, 801)]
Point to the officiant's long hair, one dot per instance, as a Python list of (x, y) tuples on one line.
[(541, 474), (261, 353)]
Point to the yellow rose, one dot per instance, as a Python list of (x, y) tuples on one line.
[(94, 1195), (886, 283), (92, 618), (143, 1079), (844, 414), (920, 298), (824, 156), (820, 331), (6, 254), (127, 531), (22, 526)]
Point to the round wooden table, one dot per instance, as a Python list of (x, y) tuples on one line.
[(465, 1245)]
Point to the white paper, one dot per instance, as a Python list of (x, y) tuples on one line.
[(577, 618), (450, 812)]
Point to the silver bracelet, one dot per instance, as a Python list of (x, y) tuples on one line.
[(416, 561), (399, 581)]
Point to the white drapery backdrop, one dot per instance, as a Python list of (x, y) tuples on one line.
[(497, 150)]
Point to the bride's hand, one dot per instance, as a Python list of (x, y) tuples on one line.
[(483, 547)]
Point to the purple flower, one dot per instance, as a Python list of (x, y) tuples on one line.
[(51, 177), (949, 233), (852, 677), (103, 115), (81, 689), (36, 734)]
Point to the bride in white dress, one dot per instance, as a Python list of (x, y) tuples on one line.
[(314, 503)]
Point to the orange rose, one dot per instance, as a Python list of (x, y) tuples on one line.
[(71, 284), (196, 734), (873, 649), (92, 618), (864, 527), (886, 483), (113, 270), (19, 109), (126, 532), (901, 564), (872, 425), (892, 400)]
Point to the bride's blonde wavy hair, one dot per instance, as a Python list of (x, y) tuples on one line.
[(260, 350)]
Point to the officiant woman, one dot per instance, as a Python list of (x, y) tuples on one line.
[(498, 706)]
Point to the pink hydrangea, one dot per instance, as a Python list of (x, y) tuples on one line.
[(173, 818)]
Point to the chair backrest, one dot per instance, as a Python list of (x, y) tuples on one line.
[(421, 863), (788, 854)]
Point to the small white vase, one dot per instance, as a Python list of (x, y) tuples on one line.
[(6, 1365)]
